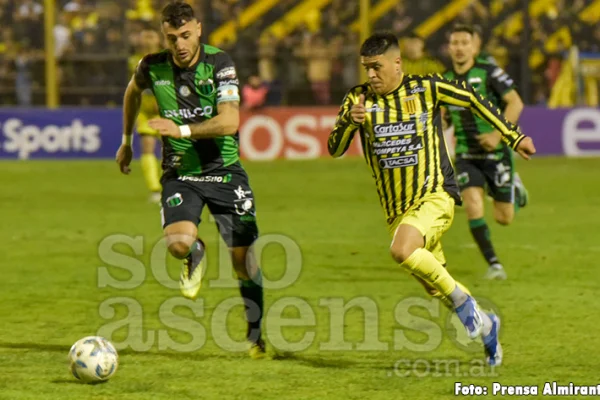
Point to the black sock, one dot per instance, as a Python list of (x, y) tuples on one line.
[(252, 293), (481, 234)]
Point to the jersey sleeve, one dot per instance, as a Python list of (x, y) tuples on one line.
[(226, 80), (142, 74), (500, 81), (344, 128), (461, 94)]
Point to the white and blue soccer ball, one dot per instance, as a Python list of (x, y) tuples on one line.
[(93, 359)]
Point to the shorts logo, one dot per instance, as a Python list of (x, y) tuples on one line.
[(175, 200), (185, 91), (502, 176), (399, 162), (463, 178), (243, 205)]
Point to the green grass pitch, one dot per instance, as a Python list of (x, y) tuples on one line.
[(58, 219)]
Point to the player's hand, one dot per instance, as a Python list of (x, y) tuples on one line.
[(124, 156), (489, 141), (165, 127), (526, 148), (358, 111)]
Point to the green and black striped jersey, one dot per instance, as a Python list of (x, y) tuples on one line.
[(191, 95), (492, 83)]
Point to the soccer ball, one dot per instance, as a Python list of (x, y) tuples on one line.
[(93, 359)]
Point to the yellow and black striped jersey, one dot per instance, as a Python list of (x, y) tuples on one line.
[(402, 136)]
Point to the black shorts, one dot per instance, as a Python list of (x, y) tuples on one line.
[(494, 173), (228, 196)]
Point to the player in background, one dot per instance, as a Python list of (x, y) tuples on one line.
[(481, 55), (415, 60), (149, 43), (398, 120), (482, 159), (196, 88)]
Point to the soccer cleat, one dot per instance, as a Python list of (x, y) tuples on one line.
[(190, 279), (523, 193), (491, 343), (468, 313), (257, 350), (495, 272)]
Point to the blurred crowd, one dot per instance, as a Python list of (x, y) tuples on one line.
[(98, 41)]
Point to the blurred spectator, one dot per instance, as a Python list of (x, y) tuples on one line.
[(318, 55), (415, 60), (24, 80), (254, 93)]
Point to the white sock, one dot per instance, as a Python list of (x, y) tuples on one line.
[(458, 297), (487, 323)]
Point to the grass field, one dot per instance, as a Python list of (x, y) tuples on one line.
[(58, 220)]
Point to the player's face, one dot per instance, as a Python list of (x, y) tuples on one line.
[(383, 71), (149, 41), (461, 47), (183, 42)]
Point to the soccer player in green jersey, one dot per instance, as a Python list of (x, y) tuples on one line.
[(196, 88), (482, 159)]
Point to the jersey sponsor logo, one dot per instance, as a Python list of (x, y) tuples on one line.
[(207, 178), (474, 80), (227, 73), (395, 129), (418, 89), (162, 82), (229, 82), (399, 162), (189, 113), (397, 146), (228, 93), (206, 87), (185, 91), (25, 139), (502, 76)]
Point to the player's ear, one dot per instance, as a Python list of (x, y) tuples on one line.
[(199, 29)]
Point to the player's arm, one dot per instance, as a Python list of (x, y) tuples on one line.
[(351, 115), (131, 108), (227, 120), (503, 86), (460, 94), (463, 95)]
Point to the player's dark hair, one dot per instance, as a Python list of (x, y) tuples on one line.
[(478, 30), (378, 44), (177, 13), (463, 28)]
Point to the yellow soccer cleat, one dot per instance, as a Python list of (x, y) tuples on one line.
[(258, 350), (192, 271)]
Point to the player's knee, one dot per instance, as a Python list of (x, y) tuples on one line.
[(402, 251), (504, 217), (179, 249)]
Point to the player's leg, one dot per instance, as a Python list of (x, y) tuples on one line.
[(150, 166), (420, 228), (180, 212), (438, 253), (472, 181), (232, 205)]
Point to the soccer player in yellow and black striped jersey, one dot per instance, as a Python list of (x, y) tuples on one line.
[(399, 122), (149, 43)]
